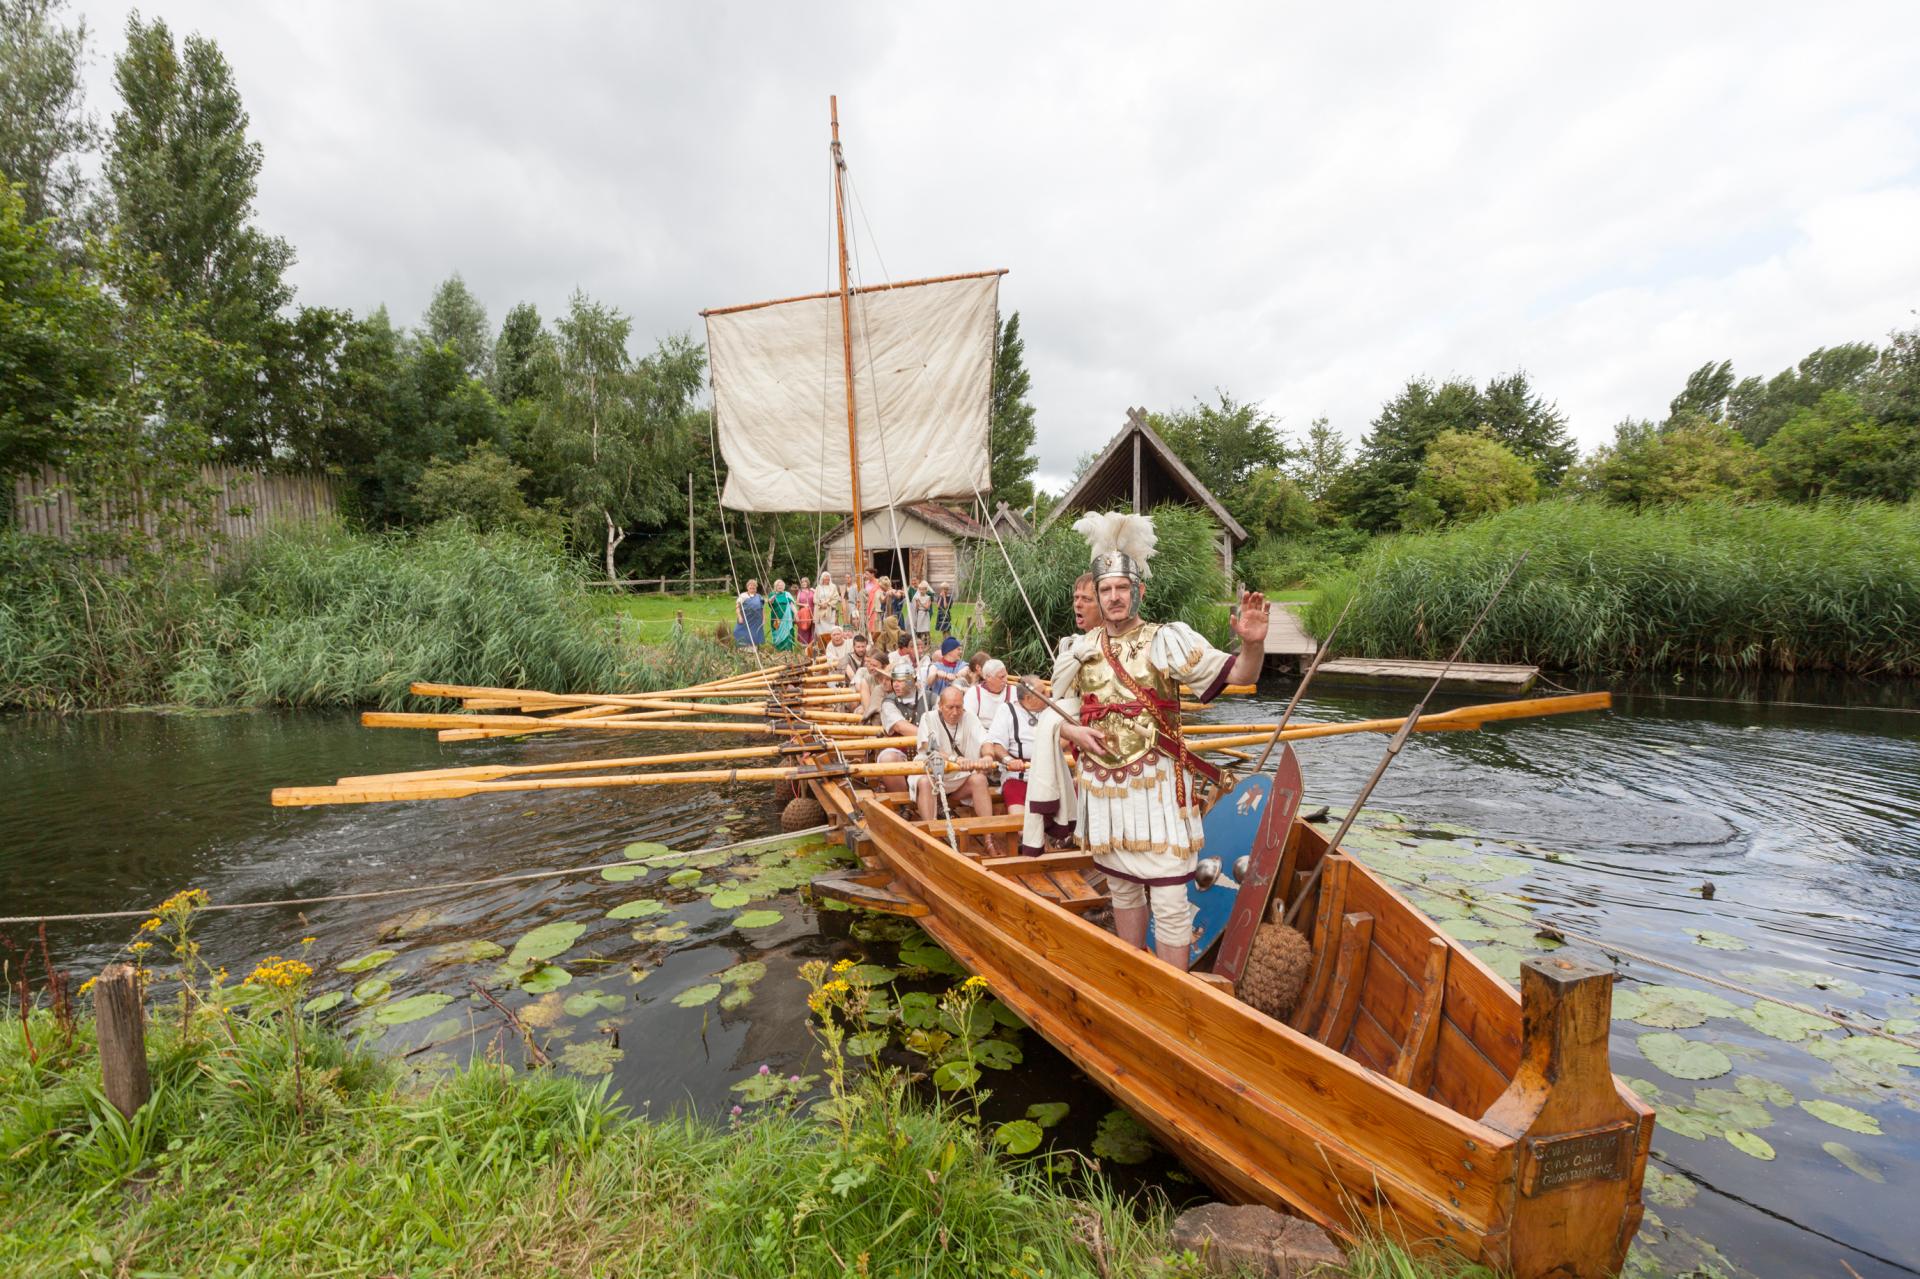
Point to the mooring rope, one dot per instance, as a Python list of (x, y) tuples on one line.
[(519, 877)]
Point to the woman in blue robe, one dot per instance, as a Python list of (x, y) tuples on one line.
[(750, 617), (783, 617)]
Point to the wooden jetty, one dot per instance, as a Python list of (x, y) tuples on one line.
[(1398, 672), (1287, 637)]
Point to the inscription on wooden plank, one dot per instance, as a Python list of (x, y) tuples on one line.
[(1554, 1162)]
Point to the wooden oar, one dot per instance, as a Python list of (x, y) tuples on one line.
[(456, 788), (533, 724), (491, 772), (1463, 717)]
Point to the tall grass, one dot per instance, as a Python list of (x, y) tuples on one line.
[(1756, 587), (1187, 586), (319, 616)]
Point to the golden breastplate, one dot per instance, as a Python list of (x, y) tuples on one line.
[(1130, 737)]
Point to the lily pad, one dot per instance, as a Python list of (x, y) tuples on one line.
[(1678, 1007), (1854, 1162), (695, 996), (545, 979), (682, 878), (919, 1009), (1736, 1108), (1782, 1022), (545, 942), (1627, 1004), (870, 975), (1670, 1190), (372, 990), (621, 874), (676, 931), (1764, 1090), (593, 1057), (744, 974), (588, 1002), (1019, 1137), (926, 953), (1504, 960), (1716, 941), (730, 898), (757, 918), (736, 997), (1804, 979), (1868, 1054), (1840, 1116), (367, 962), (1122, 1138), (1750, 1144), (955, 1075), (644, 908), (475, 951), (1047, 1113), (325, 1003), (866, 1043), (1004, 1015), (644, 851), (997, 1054), (1690, 1122), (927, 1043), (412, 1008), (1683, 1058)]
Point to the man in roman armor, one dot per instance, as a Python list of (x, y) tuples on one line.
[(1139, 788)]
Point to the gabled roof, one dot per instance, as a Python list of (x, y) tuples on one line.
[(1005, 517), (953, 523), (1108, 483)]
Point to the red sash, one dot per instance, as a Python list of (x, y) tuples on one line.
[(1165, 715)]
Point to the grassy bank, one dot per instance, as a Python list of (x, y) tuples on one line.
[(1734, 587), (317, 616), (237, 1167)]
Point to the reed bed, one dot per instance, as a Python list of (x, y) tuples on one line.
[(1728, 586)]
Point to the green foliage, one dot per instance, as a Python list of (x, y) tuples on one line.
[(1227, 445), (44, 128), (1764, 586), (1318, 461), (1686, 460), (1758, 408), (483, 488), (1010, 426), (1187, 586), (455, 318), (1279, 563), (523, 350), (1835, 449), (1464, 477)]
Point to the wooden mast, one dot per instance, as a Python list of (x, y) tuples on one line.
[(846, 344)]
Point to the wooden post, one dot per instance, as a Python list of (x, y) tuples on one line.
[(1582, 1142), (1136, 472), (846, 331), (120, 1017), (689, 532)]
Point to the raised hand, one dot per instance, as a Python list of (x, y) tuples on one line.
[(1251, 621)]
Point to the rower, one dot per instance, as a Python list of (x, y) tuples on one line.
[(947, 731), (900, 713), (1010, 742)]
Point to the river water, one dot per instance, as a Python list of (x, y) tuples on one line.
[(1804, 818)]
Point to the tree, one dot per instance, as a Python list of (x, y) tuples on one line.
[(1705, 395), (1010, 425), (1531, 429), (1648, 465), (1757, 408), (484, 489), (1225, 444), (455, 318), (1892, 390), (1275, 505), (44, 128), (1837, 449), (183, 176), (519, 355), (1319, 460), (1467, 476), (56, 338)]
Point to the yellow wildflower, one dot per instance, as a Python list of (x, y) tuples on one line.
[(150, 925), (281, 974), (306, 941), (836, 987), (974, 983), (86, 985), (843, 966), (139, 946)]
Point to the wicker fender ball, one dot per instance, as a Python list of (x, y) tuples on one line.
[(801, 813), (783, 791), (1276, 970)]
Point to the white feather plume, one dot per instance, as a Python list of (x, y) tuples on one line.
[(1130, 534)]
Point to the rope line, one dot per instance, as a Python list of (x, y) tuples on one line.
[(518, 877)]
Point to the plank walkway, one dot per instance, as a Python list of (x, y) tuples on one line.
[(1477, 677), (1286, 637)]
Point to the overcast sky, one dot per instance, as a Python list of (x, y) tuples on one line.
[(1299, 205)]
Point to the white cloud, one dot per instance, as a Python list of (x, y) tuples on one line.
[(1301, 206)]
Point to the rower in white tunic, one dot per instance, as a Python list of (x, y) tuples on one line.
[(1139, 788)]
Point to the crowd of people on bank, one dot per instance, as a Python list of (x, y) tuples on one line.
[(800, 619)]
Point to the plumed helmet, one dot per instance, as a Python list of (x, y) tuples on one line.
[(1122, 544)]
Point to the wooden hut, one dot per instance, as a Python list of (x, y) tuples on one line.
[(1137, 472), (921, 542)]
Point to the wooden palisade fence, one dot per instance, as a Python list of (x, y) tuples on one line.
[(250, 501)]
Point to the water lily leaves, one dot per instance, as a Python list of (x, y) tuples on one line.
[(1683, 1058), (736, 997), (979, 1021), (1690, 1122), (1670, 1190), (878, 928), (412, 1008), (1716, 941), (644, 908), (1504, 960), (927, 1043), (1019, 1137), (729, 898), (870, 975), (621, 874), (695, 996), (1736, 1108), (1004, 1016), (372, 990), (1804, 979), (919, 1010), (1750, 1144), (676, 931), (1047, 1113), (1902, 1025), (682, 878), (647, 852), (478, 950), (1678, 1007), (1840, 1116), (709, 860), (757, 918), (545, 979), (1122, 1138), (325, 1003), (545, 942), (1854, 1162), (955, 1075), (1868, 1054), (1627, 1004), (997, 1054), (1764, 1090), (924, 952), (744, 974), (588, 1002), (866, 1043), (1782, 1022), (594, 1057), (367, 962)]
